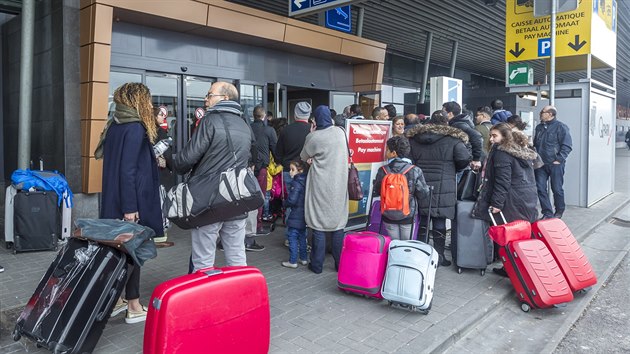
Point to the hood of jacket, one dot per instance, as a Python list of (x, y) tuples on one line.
[(430, 133), (463, 118), (524, 154)]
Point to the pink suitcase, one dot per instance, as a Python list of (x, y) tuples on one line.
[(363, 262)]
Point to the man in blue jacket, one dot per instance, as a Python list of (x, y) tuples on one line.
[(552, 140)]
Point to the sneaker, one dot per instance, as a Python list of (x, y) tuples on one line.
[(303, 262), (558, 214), (289, 265), (1, 269), (545, 217), (443, 261), (286, 243), (136, 317), (268, 218), (121, 305), (500, 271), (220, 246), (254, 247)]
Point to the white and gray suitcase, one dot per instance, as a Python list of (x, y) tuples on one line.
[(410, 275)]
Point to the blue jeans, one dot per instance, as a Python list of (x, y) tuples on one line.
[(556, 174), (318, 253), (286, 178), (297, 241), (266, 212)]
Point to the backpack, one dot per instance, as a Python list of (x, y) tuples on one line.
[(395, 194)]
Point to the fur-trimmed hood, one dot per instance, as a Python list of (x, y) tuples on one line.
[(429, 133), (518, 151)]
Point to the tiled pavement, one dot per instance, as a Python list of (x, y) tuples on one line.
[(308, 313)]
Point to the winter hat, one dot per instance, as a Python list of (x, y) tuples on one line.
[(322, 117), (302, 110)]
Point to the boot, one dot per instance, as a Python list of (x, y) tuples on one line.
[(439, 241)]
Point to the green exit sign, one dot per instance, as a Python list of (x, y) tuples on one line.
[(520, 74)]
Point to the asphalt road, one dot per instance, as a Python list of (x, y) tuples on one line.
[(605, 325)]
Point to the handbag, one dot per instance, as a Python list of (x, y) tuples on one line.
[(467, 188), (131, 238), (509, 231), (207, 199), (355, 191)]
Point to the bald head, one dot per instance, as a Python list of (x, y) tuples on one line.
[(221, 91), (548, 113)]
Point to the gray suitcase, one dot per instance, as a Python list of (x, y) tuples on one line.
[(470, 245), (410, 275)]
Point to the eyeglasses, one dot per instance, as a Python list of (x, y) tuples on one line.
[(212, 95)]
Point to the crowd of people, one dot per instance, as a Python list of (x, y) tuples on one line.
[(302, 171)]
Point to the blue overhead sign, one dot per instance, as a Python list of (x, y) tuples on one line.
[(339, 19), (307, 7)]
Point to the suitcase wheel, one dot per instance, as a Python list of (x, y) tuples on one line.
[(390, 303), (482, 272), (584, 291), (525, 307), (459, 271), (14, 251), (16, 335), (8, 245)]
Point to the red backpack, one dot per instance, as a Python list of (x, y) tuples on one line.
[(395, 194)]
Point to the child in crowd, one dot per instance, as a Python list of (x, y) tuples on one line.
[(398, 218), (296, 224)]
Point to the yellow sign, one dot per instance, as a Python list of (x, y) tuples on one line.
[(528, 37)]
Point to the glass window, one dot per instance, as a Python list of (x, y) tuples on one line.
[(196, 91), (251, 96), (164, 93), (116, 79)]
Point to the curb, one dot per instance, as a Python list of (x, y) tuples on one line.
[(460, 331)]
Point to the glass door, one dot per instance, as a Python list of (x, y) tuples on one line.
[(195, 91), (277, 100), (368, 101), (341, 100), (252, 95)]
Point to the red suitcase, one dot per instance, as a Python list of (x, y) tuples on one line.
[(218, 310), (363, 262), (535, 275), (567, 252)]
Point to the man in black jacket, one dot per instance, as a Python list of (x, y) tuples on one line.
[(208, 153), (552, 141), (265, 143), (291, 140), (464, 122)]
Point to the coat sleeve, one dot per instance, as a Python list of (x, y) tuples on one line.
[(279, 150), (461, 156), (254, 159), (566, 145), (421, 188), (376, 190), (307, 150), (502, 180), (132, 145), (476, 141), (198, 145), (273, 140), (294, 192)]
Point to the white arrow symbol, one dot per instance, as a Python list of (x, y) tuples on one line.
[(515, 72), (298, 3)]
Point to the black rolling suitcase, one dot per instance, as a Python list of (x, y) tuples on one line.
[(73, 301), (36, 221)]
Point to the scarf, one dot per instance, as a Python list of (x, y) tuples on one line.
[(123, 115)]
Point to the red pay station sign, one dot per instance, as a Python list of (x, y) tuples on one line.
[(368, 141)]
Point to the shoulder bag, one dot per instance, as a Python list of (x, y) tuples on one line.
[(207, 199), (355, 191)]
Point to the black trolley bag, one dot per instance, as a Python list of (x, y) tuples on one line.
[(73, 301), (36, 221)]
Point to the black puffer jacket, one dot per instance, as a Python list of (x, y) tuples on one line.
[(464, 122), (207, 152), (265, 143), (509, 184), (418, 188), (440, 151)]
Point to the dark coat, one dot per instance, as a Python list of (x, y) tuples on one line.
[(552, 141), (295, 201), (208, 153), (418, 188), (440, 151), (291, 142), (509, 184), (464, 123), (130, 176), (265, 143)]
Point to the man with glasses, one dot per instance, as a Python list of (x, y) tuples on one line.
[(552, 141)]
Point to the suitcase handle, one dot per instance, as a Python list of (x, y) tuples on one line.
[(492, 217), (112, 296)]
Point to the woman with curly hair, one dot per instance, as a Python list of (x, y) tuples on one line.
[(130, 177)]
